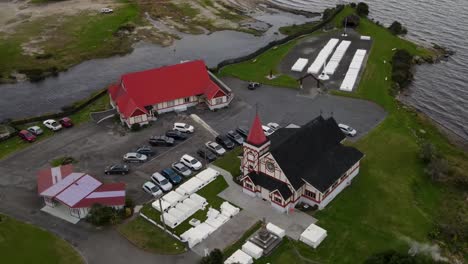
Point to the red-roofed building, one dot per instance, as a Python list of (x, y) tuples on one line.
[(141, 96), (76, 191)]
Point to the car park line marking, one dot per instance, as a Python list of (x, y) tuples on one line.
[(200, 121)]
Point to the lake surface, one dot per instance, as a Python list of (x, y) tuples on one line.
[(439, 90)]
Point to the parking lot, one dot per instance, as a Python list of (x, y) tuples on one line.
[(96, 146)]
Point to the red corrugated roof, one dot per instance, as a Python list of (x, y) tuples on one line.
[(140, 89), (256, 135), (48, 177), (108, 194)]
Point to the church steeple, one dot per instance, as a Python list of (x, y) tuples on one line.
[(256, 135)]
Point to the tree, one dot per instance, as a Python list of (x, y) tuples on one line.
[(351, 21), (362, 9), (135, 127), (102, 215), (397, 28), (215, 257), (353, 5)]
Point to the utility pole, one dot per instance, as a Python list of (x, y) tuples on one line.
[(162, 214)]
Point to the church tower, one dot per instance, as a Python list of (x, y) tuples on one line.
[(255, 146)]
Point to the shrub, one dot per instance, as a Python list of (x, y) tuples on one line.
[(393, 257), (362, 9), (135, 127), (353, 5), (351, 21), (397, 28), (215, 257), (327, 13), (401, 68), (102, 215), (428, 152), (438, 169)]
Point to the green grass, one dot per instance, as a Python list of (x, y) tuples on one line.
[(150, 238), (259, 68), (230, 161), (228, 251), (391, 200), (13, 144), (295, 29), (24, 243), (209, 192)]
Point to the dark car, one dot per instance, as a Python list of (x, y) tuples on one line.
[(253, 85), (234, 136), (161, 141), (243, 131), (177, 135), (171, 175), (146, 150), (27, 136), (117, 169), (225, 142), (206, 154), (66, 122)]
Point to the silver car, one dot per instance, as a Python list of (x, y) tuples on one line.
[(181, 169), (215, 148), (161, 181)]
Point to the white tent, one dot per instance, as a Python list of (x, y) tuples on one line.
[(184, 208), (205, 228), (215, 223), (192, 236), (313, 235), (336, 57), (182, 190), (170, 220), (191, 203), (252, 250), (365, 37), (194, 184), (173, 197), (353, 71), (165, 205), (198, 199), (208, 175), (177, 214), (275, 230), (239, 257), (228, 209), (322, 56), (299, 65)]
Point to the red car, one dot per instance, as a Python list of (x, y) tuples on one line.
[(66, 122), (27, 136)]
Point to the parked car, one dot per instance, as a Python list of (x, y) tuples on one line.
[(253, 85), (243, 131), (177, 135), (161, 141), (347, 130), (206, 154), (27, 136), (135, 157), (117, 169), (35, 130), (181, 169), (172, 176), (182, 127), (267, 130), (106, 10), (225, 141), (146, 150), (274, 126), (161, 181), (191, 162), (215, 148), (66, 122), (152, 189), (52, 125), (235, 137)]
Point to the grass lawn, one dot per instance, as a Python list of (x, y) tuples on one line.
[(295, 29), (15, 143), (391, 200), (209, 192), (24, 243), (230, 161), (150, 238), (238, 244)]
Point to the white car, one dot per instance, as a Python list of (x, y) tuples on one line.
[(106, 10), (181, 169), (215, 148), (267, 130), (52, 124), (347, 130), (161, 181), (274, 126), (36, 130), (182, 127), (191, 162), (152, 189), (135, 157)]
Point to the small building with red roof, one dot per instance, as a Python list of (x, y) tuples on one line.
[(61, 188), (140, 96)]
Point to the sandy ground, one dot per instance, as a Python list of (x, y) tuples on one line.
[(15, 12)]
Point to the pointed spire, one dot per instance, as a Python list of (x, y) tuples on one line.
[(256, 135)]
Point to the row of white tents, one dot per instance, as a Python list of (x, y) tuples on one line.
[(215, 219), (323, 56), (353, 70), (176, 206), (336, 57)]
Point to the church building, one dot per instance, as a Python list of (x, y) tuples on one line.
[(301, 164)]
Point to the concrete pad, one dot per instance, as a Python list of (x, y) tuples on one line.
[(61, 212)]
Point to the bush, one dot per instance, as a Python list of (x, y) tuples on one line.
[(327, 13), (438, 169), (397, 28), (215, 257), (393, 257), (63, 161), (401, 68), (427, 153), (362, 9), (102, 215), (135, 127), (351, 21), (353, 5)]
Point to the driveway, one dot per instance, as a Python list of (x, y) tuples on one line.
[(98, 145)]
